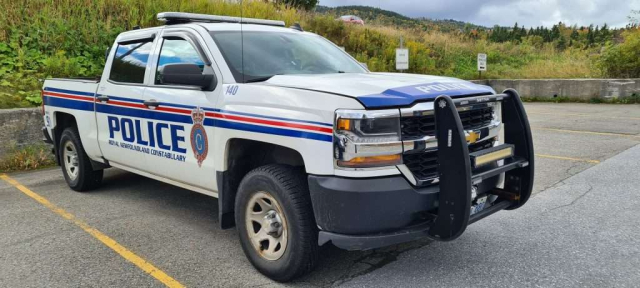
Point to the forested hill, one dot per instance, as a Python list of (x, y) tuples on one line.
[(386, 17)]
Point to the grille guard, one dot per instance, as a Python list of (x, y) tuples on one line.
[(456, 178)]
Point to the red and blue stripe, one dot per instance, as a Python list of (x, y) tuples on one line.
[(180, 113)]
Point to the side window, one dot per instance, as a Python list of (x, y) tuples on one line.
[(130, 62), (177, 50)]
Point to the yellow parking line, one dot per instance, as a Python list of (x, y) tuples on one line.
[(106, 240), (589, 132), (568, 158), (584, 115)]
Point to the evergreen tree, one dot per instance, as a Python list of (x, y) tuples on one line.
[(561, 44), (590, 36), (575, 36)]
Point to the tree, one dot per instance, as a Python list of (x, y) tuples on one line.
[(555, 32), (605, 34), (574, 35), (561, 44), (302, 4), (623, 60), (590, 36), (634, 19)]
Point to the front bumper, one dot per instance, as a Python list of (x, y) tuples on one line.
[(360, 214)]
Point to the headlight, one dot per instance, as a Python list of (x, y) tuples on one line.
[(365, 139)]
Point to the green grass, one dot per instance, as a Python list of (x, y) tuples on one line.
[(27, 158), (68, 38)]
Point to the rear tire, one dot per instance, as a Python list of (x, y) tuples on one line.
[(75, 163), (275, 222)]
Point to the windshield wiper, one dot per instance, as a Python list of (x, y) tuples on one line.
[(259, 79)]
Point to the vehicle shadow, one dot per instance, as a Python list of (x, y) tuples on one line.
[(336, 266)]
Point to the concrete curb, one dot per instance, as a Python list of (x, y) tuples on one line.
[(19, 127), (579, 89)]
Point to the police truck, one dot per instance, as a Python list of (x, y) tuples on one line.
[(302, 145)]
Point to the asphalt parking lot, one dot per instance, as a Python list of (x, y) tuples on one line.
[(579, 229)]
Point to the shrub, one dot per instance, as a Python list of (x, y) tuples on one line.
[(27, 158), (622, 60), (68, 38)]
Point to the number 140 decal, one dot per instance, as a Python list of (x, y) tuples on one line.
[(232, 90)]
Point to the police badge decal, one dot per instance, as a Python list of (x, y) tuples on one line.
[(199, 142)]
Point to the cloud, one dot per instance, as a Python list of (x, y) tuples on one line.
[(507, 12)]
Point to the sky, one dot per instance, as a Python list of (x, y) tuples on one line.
[(507, 12)]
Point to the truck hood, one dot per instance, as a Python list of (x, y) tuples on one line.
[(379, 90)]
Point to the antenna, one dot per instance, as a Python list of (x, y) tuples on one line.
[(242, 40)]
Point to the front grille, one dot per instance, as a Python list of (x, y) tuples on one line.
[(425, 165), (422, 165), (414, 127)]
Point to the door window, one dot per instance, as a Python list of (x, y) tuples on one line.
[(177, 50), (130, 62)]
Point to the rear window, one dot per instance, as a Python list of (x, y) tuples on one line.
[(130, 62)]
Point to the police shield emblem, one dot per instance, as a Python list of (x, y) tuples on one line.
[(199, 142)]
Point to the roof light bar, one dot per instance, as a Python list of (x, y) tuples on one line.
[(181, 17)]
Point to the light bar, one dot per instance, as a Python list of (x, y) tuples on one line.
[(491, 155), (181, 17)]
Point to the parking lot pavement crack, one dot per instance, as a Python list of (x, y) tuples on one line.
[(574, 201), (377, 259)]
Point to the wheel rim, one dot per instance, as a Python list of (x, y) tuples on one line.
[(266, 225), (70, 158)]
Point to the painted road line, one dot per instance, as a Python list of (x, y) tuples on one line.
[(144, 265), (567, 158), (589, 132), (584, 115)]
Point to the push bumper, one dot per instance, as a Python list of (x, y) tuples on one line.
[(361, 214)]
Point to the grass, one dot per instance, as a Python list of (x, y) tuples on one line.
[(31, 157), (67, 38)]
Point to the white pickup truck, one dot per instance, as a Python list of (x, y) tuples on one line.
[(300, 143)]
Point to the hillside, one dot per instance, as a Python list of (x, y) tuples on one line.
[(385, 18), (43, 38)]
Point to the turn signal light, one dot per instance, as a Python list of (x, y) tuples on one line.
[(372, 161), (344, 124)]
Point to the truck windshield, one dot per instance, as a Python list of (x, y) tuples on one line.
[(267, 54)]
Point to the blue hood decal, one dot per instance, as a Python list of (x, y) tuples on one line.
[(404, 96)]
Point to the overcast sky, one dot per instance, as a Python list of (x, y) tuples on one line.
[(507, 12)]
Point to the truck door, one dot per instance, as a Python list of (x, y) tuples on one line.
[(120, 112), (181, 112)]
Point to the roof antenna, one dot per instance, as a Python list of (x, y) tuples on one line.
[(242, 40), (137, 27), (296, 26)]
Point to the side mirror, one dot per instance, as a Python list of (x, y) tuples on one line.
[(364, 65), (187, 74)]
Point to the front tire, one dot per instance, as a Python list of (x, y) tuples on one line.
[(75, 163), (275, 222)]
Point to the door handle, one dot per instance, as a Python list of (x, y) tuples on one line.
[(103, 98), (151, 103)]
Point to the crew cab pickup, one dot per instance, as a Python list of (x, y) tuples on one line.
[(300, 143)]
